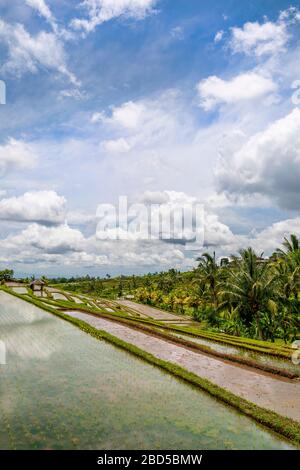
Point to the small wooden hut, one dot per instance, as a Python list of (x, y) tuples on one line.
[(37, 285)]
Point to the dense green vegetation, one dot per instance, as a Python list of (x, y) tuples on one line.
[(248, 296), (6, 275)]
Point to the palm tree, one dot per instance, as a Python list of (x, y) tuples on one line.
[(248, 288), (287, 268), (209, 273), (287, 274), (291, 246)]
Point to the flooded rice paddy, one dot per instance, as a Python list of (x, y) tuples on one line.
[(20, 290), (58, 296), (62, 389), (253, 355)]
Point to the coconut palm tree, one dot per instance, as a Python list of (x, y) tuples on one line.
[(291, 245), (287, 269), (287, 274), (248, 288), (209, 273)]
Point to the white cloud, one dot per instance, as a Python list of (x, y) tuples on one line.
[(129, 115), (169, 216), (219, 36), (38, 239), (97, 117), (246, 86), (100, 11), (265, 241), (60, 245), (144, 123), (16, 154), (28, 53), (81, 218), (268, 38), (154, 197), (38, 206), (259, 39), (215, 232), (272, 237), (42, 8), (268, 164), (64, 246), (116, 146), (74, 93)]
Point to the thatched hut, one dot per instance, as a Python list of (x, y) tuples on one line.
[(37, 285)]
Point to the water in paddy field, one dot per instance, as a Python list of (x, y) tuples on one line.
[(264, 359), (62, 389)]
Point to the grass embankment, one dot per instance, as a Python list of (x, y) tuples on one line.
[(282, 425)]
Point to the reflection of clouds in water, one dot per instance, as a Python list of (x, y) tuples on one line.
[(28, 345), (23, 330), (12, 307)]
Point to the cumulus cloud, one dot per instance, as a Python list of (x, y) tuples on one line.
[(268, 164), (100, 11), (28, 53), (129, 115), (213, 90), (45, 207), (51, 240), (267, 38), (168, 216), (216, 233), (16, 154), (62, 245), (272, 237), (144, 123), (259, 39)]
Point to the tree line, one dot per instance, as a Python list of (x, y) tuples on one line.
[(247, 296)]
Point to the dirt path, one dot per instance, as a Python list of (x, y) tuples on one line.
[(271, 393), (154, 312)]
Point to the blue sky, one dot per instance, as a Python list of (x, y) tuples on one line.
[(153, 99)]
